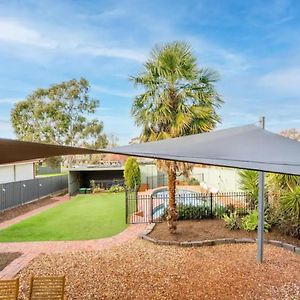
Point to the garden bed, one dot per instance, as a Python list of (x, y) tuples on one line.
[(6, 258), (25, 208), (209, 229)]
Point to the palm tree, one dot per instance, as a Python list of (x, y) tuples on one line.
[(178, 99)]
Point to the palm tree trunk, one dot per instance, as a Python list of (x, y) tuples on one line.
[(172, 212)]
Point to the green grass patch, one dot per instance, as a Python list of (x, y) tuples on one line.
[(84, 217)]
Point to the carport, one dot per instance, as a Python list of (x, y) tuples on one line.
[(104, 177)]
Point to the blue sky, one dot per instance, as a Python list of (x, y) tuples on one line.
[(254, 45)]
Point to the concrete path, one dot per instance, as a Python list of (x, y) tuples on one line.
[(30, 250)]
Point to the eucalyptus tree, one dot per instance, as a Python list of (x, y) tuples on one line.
[(179, 98), (60, 114)]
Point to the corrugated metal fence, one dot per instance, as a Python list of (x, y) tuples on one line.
[(20, 192)]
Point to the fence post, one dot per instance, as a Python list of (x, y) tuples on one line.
[(211, 205), (126, 206), (151, 209)]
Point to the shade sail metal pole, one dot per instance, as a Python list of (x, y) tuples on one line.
[(261, 212)]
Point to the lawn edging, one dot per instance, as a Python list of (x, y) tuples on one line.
[(213, 242)]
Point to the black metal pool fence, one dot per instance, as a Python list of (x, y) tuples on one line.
[(145, 208)]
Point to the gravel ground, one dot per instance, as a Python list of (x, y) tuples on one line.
[(142, 270), (25, 208), (212, 229)]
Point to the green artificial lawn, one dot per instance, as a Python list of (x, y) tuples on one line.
[(84, 217)]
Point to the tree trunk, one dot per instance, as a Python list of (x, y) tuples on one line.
[(172, 212)]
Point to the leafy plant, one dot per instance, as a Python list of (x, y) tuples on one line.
[(231, 220), (116, 189), (249, 184), (290, 202), (190, 212), (193, 181), (219, 211), (250, 222), (132, 173)]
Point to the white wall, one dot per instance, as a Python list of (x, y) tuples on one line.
[(10, 173), (24, 171), (7, 174), (221, 179)]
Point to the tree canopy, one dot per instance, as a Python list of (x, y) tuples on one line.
[(59, 114)]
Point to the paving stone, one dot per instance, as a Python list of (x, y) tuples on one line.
[(186, 244), (288, 246), (275, 243), (176, 243), (245, 240), (197, 243), (224, 241), (150, 239), (162, 242), (208, 243)]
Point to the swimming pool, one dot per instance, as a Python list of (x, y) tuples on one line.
[(183, 197)]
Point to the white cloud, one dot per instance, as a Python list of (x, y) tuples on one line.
[(115, 52), (285, 81), (14, 32), (112, 92)]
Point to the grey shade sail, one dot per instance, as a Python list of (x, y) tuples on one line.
[(14, 151), (246, 147)]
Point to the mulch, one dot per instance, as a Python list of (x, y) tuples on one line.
[(212, 229), (7, 258), (142, 270), (25, 208)]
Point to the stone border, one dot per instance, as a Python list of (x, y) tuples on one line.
[(145, 236)]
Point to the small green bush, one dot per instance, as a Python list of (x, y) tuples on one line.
[(250, 222), (116, 189), (190, 212), (231, 220), (193, 181)]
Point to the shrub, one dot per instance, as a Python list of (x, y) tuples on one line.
[(231, 220), (190, 212), (250, 222), (219, 211), (249, 184), (132, 173), (193, 181), (116, 189), (290, 202)]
